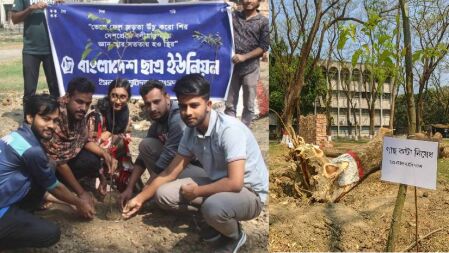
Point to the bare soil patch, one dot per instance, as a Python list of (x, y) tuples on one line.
[(360, 222)]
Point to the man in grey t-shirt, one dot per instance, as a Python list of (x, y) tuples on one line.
[(36, 45), (236, 185)]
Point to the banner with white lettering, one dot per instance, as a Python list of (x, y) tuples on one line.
[(141, 42), (410, 162)]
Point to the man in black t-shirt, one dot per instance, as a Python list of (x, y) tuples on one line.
[(251, 40), (36, 46)]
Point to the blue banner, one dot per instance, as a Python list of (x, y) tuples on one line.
[(141, 42)]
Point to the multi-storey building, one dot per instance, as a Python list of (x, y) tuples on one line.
[(352, 82)]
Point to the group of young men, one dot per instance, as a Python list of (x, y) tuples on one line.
[(199, 160)]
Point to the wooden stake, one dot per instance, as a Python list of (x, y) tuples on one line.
[(396, 219), (416, 215)]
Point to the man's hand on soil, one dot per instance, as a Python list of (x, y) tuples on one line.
[(125, 196), (89, 198), (131, 208), (85, 206)]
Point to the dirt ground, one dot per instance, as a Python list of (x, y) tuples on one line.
[(360, 222)]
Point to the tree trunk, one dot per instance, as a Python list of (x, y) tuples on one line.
[(294, 89), (292, 100), (408, 68), (328, 112), (393, 103), (420, 104), (348, 116), (356, 132), (372, 103), (298, 116), (402, 192), (397, 213), (419, 111), (287, 113), (371, 121), (394, 90)]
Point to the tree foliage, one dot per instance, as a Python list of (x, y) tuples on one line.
[(430, 22), (315, 83), (436, 110), (374, 46), (302, 26)]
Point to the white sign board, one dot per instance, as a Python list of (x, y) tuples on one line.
[(410, 162)]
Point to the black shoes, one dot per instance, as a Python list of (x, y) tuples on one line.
[(229, 245), (207, 233), (220, 243)]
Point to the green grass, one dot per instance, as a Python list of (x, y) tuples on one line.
[(348, 144), (11, 77)]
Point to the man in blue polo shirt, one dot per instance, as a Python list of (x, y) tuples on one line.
[(25, 176), (236, 185)]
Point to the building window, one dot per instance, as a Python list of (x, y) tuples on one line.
[(333, 73), (356, 75)]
